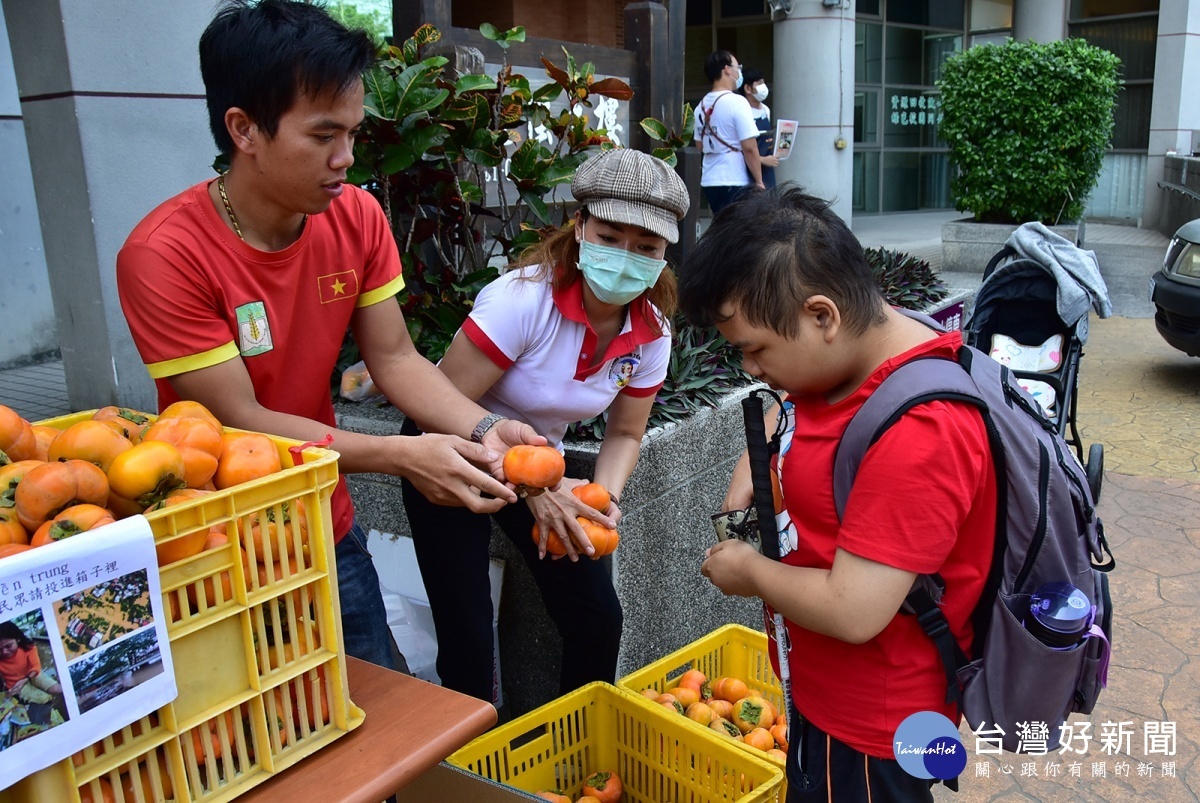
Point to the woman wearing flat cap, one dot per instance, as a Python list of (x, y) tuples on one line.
[(578, 327)]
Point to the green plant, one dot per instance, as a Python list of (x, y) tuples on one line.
[(1027, 125), (906, 281)]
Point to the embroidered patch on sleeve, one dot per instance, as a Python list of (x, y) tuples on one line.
[(254, 330), (338, 286)]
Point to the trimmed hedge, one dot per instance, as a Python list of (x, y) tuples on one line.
[(1027, 125)]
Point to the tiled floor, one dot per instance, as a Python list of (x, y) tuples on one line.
[(35, 391)]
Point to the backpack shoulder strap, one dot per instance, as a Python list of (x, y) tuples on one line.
[(706, 128)]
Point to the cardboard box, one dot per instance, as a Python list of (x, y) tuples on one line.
[(448, 784)]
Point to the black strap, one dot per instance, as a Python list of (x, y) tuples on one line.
[(706, 129), (934, 623)]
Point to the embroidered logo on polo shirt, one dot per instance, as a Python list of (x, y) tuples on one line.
[(337, 286), (254, 330), (623, 369)]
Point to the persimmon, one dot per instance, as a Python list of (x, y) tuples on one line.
[(605, 786), (245, 456), (554, 544), (13, 549), (722, 708), (779, 733), (686, 695), (778, 755), (669, 702), (50, 488), (183, 546), (534, 466), (191, 409), (17, 441), (11, 531), (87, 795), (10, 476), (123, 508), (70, 522), (726, 727), (604, 540), (588, 799), (45, 436), (649, 694), (269, 528), (553, 795), (700, 712), (750, 713), (130, 423), (196, 439), (147, 473), (760, 739), (731, 689), (89, 440), (594, 495), (146, 781), (694, 678)]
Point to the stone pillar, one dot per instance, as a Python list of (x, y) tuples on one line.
[(1039, 20), (26, 306), (1174, 113), (116, 121), (814, 85), (647, 36)]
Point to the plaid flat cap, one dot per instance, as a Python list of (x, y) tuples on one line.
[(628, 186)]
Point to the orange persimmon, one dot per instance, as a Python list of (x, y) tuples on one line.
[(89, 440), (72, 521), (245, 456), (129, 423), (196, 439), (50, 488), (534, 466)]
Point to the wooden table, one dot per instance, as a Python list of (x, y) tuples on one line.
[(405, 734)]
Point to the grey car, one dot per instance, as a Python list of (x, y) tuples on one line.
[(1175, 291)]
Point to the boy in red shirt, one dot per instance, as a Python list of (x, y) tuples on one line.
[(801, 303)]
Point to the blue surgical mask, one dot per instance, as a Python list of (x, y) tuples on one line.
[(615, 275), (739, 80)]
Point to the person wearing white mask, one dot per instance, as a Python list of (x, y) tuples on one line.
[(579, 326), (726, 134), (754, 88)]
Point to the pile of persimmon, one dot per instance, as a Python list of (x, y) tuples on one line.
[(599, 787), (728, 706), (604, 539), (56, 484)]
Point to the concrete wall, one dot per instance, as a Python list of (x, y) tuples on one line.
[(1174, 113), (679, 481), (114, 113), (25, 305)]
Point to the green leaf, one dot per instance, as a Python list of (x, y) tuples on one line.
[(547, 93), (537, 205), (655, 129), (472, 83), (489, 31)]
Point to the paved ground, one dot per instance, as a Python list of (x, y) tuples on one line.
[(1141, 400)]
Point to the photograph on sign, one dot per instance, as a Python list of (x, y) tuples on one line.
[(33, 700), (98, 615), (785, 135)]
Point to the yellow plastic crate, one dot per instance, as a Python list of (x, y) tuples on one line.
[(732, 651), (601, 727), (250, 704)]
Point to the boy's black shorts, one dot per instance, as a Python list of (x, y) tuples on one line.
[(822, 768)]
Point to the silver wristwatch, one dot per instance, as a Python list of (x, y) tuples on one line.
[(484, 426)]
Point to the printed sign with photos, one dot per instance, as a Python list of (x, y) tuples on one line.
[(83, 644)]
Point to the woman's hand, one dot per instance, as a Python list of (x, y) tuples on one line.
[(556, 511), (770, 161)]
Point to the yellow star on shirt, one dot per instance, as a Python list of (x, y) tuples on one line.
[(339, 288)]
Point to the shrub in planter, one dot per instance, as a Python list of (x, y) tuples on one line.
[(1027, 125)]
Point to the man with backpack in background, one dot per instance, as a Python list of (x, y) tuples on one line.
[(727, 135), (924, 499)]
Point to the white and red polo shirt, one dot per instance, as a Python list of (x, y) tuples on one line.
[(542, 340)]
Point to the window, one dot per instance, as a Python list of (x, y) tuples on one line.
[(934, 13), (988, 15)]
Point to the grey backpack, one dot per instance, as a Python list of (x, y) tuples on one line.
[(1047, 531)]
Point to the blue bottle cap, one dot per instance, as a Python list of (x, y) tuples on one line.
[(1060, 614)]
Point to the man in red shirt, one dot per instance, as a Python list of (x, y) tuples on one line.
[(923, 501), (238, 291)]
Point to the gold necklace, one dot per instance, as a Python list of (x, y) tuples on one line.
[(229, 209)]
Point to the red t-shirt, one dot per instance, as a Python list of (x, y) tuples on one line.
[(195, 295), (924, 500), (25, 663)]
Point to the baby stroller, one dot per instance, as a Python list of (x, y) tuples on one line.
[(1031, 314)]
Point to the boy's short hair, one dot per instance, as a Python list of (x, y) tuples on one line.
[(769, 252), (750, 77), (259, 56), (716, 62)]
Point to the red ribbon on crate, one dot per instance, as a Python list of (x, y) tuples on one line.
[(298, 459)]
